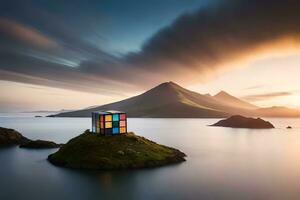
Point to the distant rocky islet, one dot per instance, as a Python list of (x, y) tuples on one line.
[(238, 121)]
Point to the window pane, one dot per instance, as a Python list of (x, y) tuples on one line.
[(122, 130), (122, 116), (115, 130), (108, 125), (116, 124), (108, 118), (122, 123), (102, 131), (108, 131), (115, 117)]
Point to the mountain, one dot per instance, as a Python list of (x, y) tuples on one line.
[(171, 100), (165, 100), (233, 101)]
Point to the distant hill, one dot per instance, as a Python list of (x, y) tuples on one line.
[(171, 100)]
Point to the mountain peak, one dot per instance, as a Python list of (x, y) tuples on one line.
[(234, 101), (166, 92), (222, 93), (167, 86), (169, 83)]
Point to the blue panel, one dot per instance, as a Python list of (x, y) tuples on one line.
[(115, 130), (115, 117)]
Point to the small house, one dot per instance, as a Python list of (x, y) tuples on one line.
[(109, 122)]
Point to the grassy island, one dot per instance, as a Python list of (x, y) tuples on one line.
[(124, 151)]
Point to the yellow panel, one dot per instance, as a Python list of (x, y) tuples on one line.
[(108, 118), (108, 124), (122, 130)]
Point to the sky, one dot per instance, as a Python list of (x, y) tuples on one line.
[(75, 54)]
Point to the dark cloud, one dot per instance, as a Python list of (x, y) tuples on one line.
[(224, 32), (194, 46), (266, 96)]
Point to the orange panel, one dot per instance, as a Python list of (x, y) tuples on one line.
[(108, 118), (101, 125), (122, 130)]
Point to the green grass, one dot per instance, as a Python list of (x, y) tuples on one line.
[(94, 151)]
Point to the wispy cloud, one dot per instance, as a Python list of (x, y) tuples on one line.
[(26, 34), (265, 96), (254, 87)]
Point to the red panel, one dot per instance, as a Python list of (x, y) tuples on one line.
[(122, 116)]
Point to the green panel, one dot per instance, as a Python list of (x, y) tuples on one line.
[(116, 124)]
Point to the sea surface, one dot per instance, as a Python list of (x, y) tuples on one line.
[(222, 163)]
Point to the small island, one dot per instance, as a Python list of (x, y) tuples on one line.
[(238, 121), (122, 151), (10, 137)]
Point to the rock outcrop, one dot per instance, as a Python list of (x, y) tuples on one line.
[(238, 121), (11, 137)]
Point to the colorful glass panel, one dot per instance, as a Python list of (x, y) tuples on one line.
[(93, 123), (108, 131), (122, 123), (101, 118), (115, 117), (122, 116), (108, 118), (108, 124), (115, 130), (123, 130), (115, 124)]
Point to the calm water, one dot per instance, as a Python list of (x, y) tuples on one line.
[(222, 163)]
